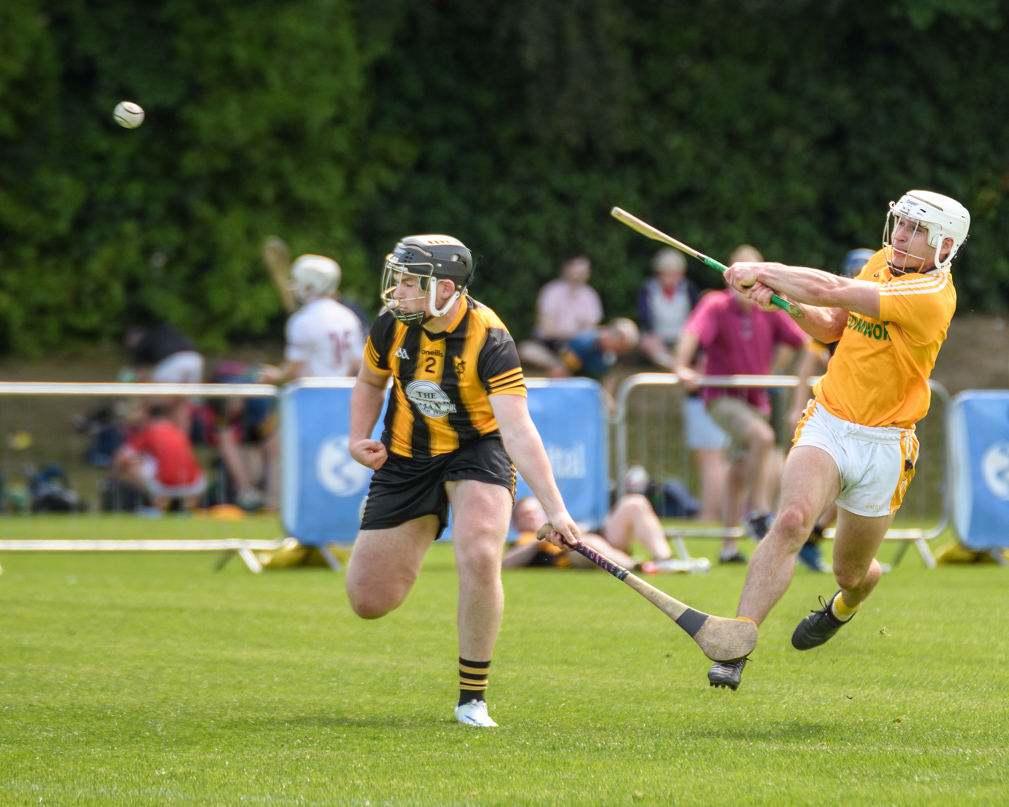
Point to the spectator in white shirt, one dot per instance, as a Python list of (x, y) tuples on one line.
[(664, 303)]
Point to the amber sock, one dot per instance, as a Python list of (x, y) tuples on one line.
[(472, 680), (840, 610)]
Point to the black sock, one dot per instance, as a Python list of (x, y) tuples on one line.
[(472, 680)]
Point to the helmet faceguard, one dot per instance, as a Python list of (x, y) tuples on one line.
[(430, 258), (941, 216), (314, 276)]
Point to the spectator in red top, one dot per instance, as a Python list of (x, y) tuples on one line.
[(160, 460), (739, 338)]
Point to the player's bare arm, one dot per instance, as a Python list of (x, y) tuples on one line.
[(355, 365), (366, 400), (829, 297), (525, 447)]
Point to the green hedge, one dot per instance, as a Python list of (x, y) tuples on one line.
[(513, 125)]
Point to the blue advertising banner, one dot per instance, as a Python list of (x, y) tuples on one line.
[(978, 430), (323, 488), (571, 417)]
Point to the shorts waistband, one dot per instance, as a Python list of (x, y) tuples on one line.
[(872, 434)]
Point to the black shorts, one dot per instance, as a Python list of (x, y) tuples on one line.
[(404, 488)]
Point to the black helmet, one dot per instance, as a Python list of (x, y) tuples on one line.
[(440, 257)]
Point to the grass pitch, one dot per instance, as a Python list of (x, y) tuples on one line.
[(151, 679)]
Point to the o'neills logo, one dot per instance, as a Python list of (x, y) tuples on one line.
[(429, 399), (873, 330)]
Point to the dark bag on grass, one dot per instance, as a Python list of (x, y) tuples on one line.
[(676, 501), (50, 492), (117, 496)]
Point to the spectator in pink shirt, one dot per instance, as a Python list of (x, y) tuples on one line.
[(568, 306), (738, 338)]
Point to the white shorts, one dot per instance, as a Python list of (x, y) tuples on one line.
[(149, 473), (876, 464), (702, 431), (185, 367)]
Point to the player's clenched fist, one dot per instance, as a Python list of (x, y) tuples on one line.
[(741, 276), (565, 535), (370, 453)]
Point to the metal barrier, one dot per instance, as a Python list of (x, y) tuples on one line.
[(43, 408), (649, 431)]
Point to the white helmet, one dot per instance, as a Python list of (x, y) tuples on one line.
[(942, 216), (314, 276)]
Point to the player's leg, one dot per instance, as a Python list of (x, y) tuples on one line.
[(856, 543), (883, 465), (480, 515), (809, 482), (384, 565), (857, 572)]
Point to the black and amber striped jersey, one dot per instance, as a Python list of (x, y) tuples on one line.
[(442, 383)]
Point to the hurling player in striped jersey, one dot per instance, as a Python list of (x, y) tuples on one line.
[(455, 422), (855, 444)]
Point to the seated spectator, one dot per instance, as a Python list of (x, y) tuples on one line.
[(159, 459), (664, 303), (630, 519), (670, 499), (593, 354), (162, 354), (567, 306)]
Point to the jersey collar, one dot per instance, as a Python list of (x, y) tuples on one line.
[(460, 313)]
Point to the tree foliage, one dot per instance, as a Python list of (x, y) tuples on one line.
[(514, 125)]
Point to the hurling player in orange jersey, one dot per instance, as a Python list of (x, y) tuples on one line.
[(855, 444)]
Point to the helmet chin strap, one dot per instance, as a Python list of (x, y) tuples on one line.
[(432, 295)]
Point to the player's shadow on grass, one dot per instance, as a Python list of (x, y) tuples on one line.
[(329, 721), (776, 732)]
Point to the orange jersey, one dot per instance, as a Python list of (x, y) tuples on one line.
[(879, 373)]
